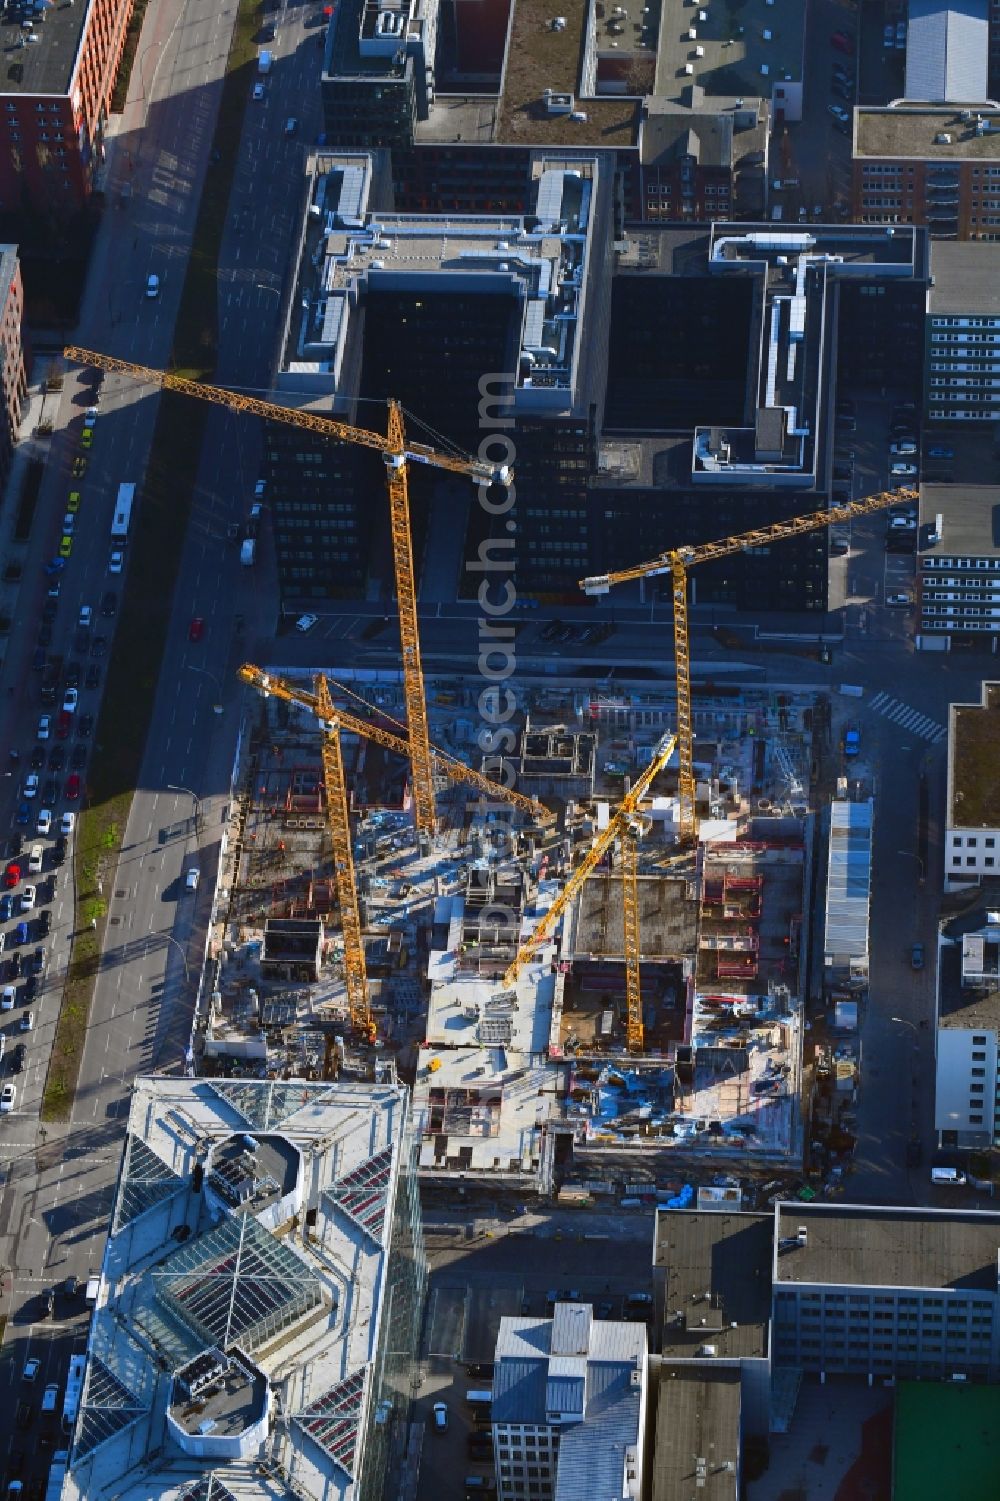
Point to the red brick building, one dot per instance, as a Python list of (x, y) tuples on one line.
[(13, 375), (936, 165), (55, 94)]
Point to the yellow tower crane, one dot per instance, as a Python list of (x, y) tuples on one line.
[(332, 721), (397, 453), (456, 770), (622, 827), (677, 563), (339, 821)]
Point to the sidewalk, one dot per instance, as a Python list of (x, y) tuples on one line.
[(39, 406)]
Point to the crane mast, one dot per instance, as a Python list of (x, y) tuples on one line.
[(677, 563), (397, 453), (339, 821), (618, 828)]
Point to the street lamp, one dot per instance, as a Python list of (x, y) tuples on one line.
[(173, 787), (206, 672), (919, 859), (180, 949)]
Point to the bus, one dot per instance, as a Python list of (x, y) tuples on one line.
[(74, 1388), (123, 513)]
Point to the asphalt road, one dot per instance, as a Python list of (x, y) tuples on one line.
[(58, 1183)]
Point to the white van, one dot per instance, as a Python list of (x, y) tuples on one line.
[(35, 857), (948, 1177), (50, 1398)]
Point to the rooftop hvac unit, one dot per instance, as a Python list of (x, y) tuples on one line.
[(689, 69), (765, 70), (692, 33), (699, 52)]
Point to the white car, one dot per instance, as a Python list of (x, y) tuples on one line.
[(305, 623), (152, 286), (28, 898), (258, 489), (71, 700), (31, 1369), (899, 601), (45, 727), (86, 616), (67, 825), (441, 1416), (69, 522), (7, 1097), (904, 446), (44, 820), (900, 470), (192, 878), (116, 562), (258, 91), (8, 998), (31, 785)]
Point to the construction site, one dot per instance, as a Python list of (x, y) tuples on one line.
[(520, 1051), (592, 946)]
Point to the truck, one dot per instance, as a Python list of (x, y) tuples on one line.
[(852, 740), (264, 63), (123, 513), (248, 552)]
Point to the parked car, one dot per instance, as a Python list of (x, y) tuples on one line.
[(940, 451), (917, 956), (838, 113), (899, 601)]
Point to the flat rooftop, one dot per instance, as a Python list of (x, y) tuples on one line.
[(912, 131), (964, 1007), (727, 1256), (966, 278), (540, 58), (697, 1444), (744, 50), (971, 521), (230, 1399), (855, 1246), (973, 780), (46, 63)]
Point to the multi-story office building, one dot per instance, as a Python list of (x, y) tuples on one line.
[(994, 49), (972, 828), (13, 374), (378, 72), (464, 94), (569, 1406), (962, 353), (712, 1288), (966, 1099), (886, 1292), (958, 567), (929, 164), (54, 102), (423, 309), (265, 1255)]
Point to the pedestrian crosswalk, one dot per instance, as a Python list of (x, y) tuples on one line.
[(908, 719)]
